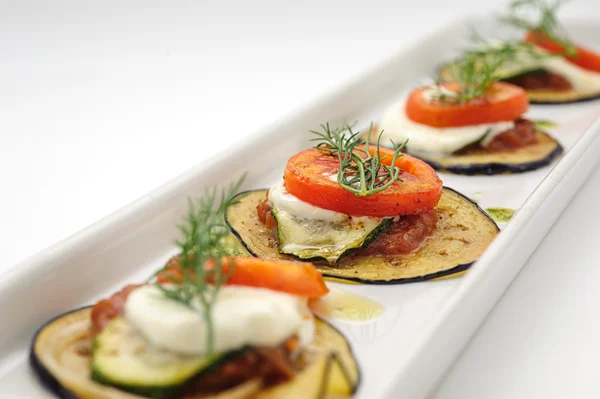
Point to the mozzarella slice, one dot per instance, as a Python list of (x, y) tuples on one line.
[(427, 139), (581, 79), (284, 201), (240, 316)]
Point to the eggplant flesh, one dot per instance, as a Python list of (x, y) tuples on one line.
[(463, 233), (61, 355), (482, 162)]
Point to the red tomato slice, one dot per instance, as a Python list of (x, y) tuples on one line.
[(296, 278), (307, 174), (505, 102), (584, 58)]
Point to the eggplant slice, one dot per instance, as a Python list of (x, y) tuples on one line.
[(560, 96), (481, 162), (62, 349), (463, 233), (538, 96)]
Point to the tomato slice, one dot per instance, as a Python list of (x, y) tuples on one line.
[(505, 102), (584, 58), (296, 278), (307, 176)]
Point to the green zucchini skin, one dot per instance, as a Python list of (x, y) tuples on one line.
[(150, 392), (425, 265), (161, 392), (107, 364), (149, 388), (166, 391)]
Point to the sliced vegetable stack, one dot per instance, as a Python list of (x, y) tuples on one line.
[(363, 213), (472, 126), (548, 65), (210, 326)]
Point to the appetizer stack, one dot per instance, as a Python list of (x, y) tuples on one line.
[(546, 62), (362, 213), (209, 325), (228, 317), (475, 125)]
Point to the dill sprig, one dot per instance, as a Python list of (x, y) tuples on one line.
[(475, 76), (361, 172), (204, 266), (546, 26), (478, 68)]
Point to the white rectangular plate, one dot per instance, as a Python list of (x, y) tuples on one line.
[(424, 326)]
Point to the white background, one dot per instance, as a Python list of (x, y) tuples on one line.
[(100, 102)]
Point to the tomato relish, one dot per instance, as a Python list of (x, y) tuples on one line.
[(107, 309), (523, 134), (404, 235)]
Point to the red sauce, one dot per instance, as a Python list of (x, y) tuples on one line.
[(264, 214), (401, 237), (541, 80), (523, 134), (272, 365), (107, 309)]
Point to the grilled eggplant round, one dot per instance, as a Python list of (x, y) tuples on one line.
[(477, 161), (61, 355), (561, 96), (462, 234), (482, 162)]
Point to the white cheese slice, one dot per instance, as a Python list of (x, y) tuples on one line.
[(427, 139)]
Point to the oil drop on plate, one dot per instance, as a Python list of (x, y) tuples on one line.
[(344, 305)]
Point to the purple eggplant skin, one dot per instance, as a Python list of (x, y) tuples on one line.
[(490, 169)]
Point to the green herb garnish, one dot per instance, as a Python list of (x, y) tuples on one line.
[(546, 26), (501, 215), (479, 68), (361, 172), (545, 124), (203, 247)]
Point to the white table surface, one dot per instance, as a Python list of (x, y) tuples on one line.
[(100, 102)]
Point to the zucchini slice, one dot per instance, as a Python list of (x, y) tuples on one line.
[(463, 233), (481, 162), (61, 355), (319, 239), (538, 96), (122, 358)]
